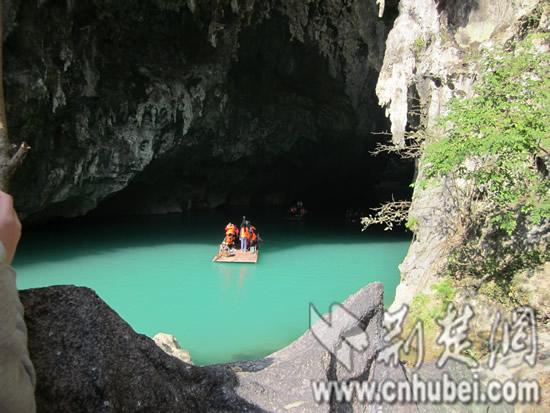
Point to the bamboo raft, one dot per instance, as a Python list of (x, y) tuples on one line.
[(238, 256)]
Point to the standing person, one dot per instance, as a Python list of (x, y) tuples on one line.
[(245, 235), (17, 376)]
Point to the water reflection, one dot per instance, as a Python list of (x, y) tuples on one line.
[(239, 273)]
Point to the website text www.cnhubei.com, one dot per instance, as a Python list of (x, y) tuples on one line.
[(417, 390)]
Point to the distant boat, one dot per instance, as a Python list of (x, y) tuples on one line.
[(296, 218), (237, 256), (297, 212)]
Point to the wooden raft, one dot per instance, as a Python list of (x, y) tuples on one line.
[(239, 256)]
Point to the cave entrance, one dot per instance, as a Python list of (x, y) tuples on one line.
[(282, 127), (307, 140)]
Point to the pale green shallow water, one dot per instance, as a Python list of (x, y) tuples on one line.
[(157, 273)]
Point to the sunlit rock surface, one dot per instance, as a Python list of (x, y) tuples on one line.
[(431, 57), (169, 344)]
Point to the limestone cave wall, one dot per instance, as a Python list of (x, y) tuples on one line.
[(158, 105)]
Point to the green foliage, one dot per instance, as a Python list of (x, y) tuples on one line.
[(412, 224), (388, 214), (493, 138), (495, 268), (532, 20), (509, 293), (427, 308), (420, 308), (419, 45), (445, 292)]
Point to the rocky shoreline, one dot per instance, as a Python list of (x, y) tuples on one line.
[(88, 359)]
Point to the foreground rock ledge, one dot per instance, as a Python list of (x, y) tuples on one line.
[(90, 360)]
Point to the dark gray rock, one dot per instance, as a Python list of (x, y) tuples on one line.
[(284, 378), (88, 359)]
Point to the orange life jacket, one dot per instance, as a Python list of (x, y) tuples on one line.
[(245, 233)]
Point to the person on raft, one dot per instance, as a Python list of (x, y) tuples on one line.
[(232, 231), (231, 235), (245, 236), (254, 238)]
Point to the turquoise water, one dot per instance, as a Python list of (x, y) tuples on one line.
[(156, 272)]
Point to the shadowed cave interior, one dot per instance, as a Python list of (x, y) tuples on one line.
[(149, 117), (290, 132)]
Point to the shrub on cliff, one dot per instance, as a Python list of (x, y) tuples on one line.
[(495, 154), (499, 139)]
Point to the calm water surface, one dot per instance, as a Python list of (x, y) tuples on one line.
[(156, 272)]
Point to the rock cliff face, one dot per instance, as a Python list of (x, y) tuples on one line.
[(431, 57), (184, 102)]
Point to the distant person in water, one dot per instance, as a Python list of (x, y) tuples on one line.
[(297, 210), (301, 210)]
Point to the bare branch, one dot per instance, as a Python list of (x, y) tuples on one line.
[(389, 214), (18, 157), (412, 149), (8, 168)]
